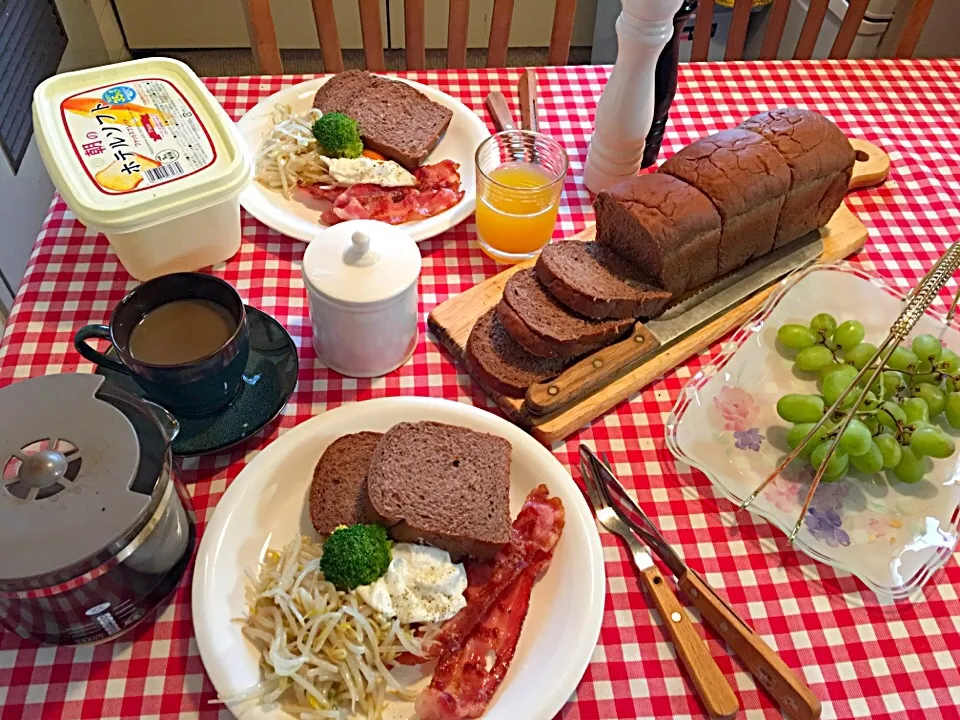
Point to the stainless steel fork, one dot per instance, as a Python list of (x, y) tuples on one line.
[(711, 685)]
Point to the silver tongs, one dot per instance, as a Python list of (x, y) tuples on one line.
[(783, 684)]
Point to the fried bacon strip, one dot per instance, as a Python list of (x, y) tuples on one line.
[(476, 646), (464, 681), (437, 189)]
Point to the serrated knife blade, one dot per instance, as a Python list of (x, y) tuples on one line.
[(728, 292), (677, 322)]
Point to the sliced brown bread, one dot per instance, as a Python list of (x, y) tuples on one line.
[(502, 366), (445, 485), (338, 493), (396, 120), (595, 281), (544, 327)]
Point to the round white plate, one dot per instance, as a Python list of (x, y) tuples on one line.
[(267, 504), (299, 217)]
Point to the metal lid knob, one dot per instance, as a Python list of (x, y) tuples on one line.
[(44, 468)]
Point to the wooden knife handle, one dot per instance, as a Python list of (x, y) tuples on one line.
[(711, 685), (591, 373), (528, 100), (500, 111), (783, 684)]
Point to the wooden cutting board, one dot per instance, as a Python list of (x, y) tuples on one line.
[(452, 321)]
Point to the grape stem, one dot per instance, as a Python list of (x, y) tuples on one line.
[(890, 415), (833, 353)]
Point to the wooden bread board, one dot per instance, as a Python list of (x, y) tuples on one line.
[(452, 320)]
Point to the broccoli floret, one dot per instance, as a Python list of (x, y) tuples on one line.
[(338, 136), (355, 555)]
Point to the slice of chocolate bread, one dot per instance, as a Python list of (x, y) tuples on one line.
[(502, 366), (396, 120), (445, 485), (338, 493), (544, 327), (595, 281)]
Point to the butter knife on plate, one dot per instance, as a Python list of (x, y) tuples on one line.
[(677, 322)]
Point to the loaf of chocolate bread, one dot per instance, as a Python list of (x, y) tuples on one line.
[(746, 179), (664, 227), (713, 207), (820, 159)]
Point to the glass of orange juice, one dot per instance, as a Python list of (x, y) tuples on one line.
[(519, 178)]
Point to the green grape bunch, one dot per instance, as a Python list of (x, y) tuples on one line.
[(898, 424)]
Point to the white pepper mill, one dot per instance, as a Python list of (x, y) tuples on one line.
[(625, 111)]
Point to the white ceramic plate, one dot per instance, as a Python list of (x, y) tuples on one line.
[(300, 218), (891, 535), (266, 505)]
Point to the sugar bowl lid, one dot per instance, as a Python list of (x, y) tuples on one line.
[(361, 262)]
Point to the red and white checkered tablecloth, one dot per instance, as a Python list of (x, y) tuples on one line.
[(861, 659)]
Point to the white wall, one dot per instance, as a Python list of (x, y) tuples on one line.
[(25, 197)]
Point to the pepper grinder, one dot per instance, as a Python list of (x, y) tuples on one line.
[(625, 111), (665, 83)]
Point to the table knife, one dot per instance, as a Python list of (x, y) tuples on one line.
[(679, 321), (776, 677), (500, 111), (527, 90), (712, 687)]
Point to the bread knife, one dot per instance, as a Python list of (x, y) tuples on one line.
[(680, 320)]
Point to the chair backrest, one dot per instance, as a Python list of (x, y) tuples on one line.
[(808, 34), (267, 52)]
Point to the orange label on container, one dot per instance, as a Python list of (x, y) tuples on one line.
[(136, 135)]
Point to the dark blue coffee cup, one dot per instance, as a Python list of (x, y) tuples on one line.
[(191, 389)]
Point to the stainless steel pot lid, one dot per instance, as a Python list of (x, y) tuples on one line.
[(70, 463)]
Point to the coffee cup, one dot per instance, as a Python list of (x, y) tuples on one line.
[(182, 337)]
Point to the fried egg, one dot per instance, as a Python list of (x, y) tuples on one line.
[(353, 171), (421, 585)]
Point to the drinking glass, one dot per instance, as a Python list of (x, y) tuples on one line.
[(519, 179)]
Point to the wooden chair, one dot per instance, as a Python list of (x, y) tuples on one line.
[(808, 34), (267, 52)]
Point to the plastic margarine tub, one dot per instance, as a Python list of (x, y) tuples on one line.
[(142, 152)]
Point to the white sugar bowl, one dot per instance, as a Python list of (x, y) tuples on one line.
[(361, 279)]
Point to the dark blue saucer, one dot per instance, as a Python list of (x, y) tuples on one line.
[(268, 382)]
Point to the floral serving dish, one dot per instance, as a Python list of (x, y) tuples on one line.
[(891, 535)]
